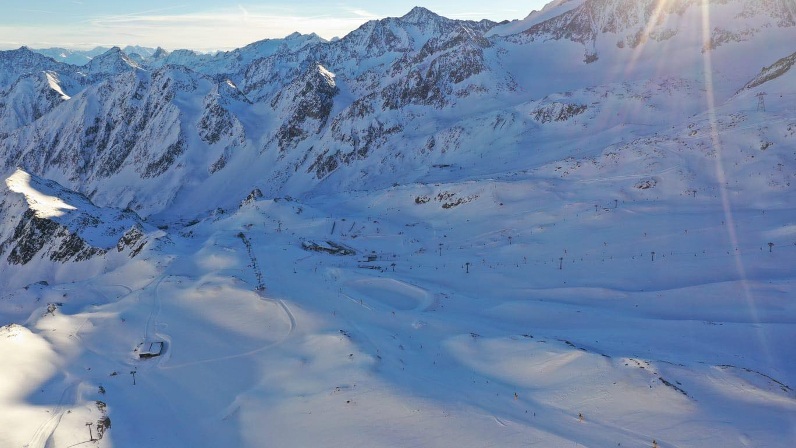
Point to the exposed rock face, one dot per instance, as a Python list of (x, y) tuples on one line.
[(45, 221), (134, 240), (219, 126), (38, 236), (773, 71), (307, 103), (557, 111)]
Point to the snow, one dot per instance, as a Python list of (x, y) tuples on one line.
[(52, 80), (45, 205), (622, 275), (613, 348), (326, 74), (550, 10), (32, 358), (101, 227)]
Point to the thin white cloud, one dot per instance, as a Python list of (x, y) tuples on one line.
[(362, 13), (478, 15), (38, 11), (145, 13), (243, 11)]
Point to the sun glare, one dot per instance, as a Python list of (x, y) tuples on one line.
[(654, 20), (658, 17), (721, 178)]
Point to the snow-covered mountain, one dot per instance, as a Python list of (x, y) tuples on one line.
[(575, 228), (18, 63), (83, 57), (399, 85)]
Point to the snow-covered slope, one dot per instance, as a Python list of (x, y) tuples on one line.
[(30, 97), (576, 229), (551, 10), (44, 224)]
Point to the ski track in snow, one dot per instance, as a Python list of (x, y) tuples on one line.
[(627, 177), (165, 365), (41, 437), (151, 321), (260, 291)]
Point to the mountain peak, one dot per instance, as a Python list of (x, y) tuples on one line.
[(24, 52), (112, 61), (420, 14), (22, 61), (160, 53)]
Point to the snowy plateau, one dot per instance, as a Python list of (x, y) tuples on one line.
[(572, 230)]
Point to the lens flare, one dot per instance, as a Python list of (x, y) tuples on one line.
[(721, 178)]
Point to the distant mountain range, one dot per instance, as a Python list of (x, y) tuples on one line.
[(83, 57)]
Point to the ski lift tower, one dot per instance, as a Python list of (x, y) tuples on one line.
[(761, 101)]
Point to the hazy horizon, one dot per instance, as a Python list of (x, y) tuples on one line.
[(204, 26)]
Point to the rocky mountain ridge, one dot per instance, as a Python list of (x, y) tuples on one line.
[(384, 105), (51, 223)]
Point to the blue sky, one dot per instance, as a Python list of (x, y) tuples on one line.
[(213, 24)]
